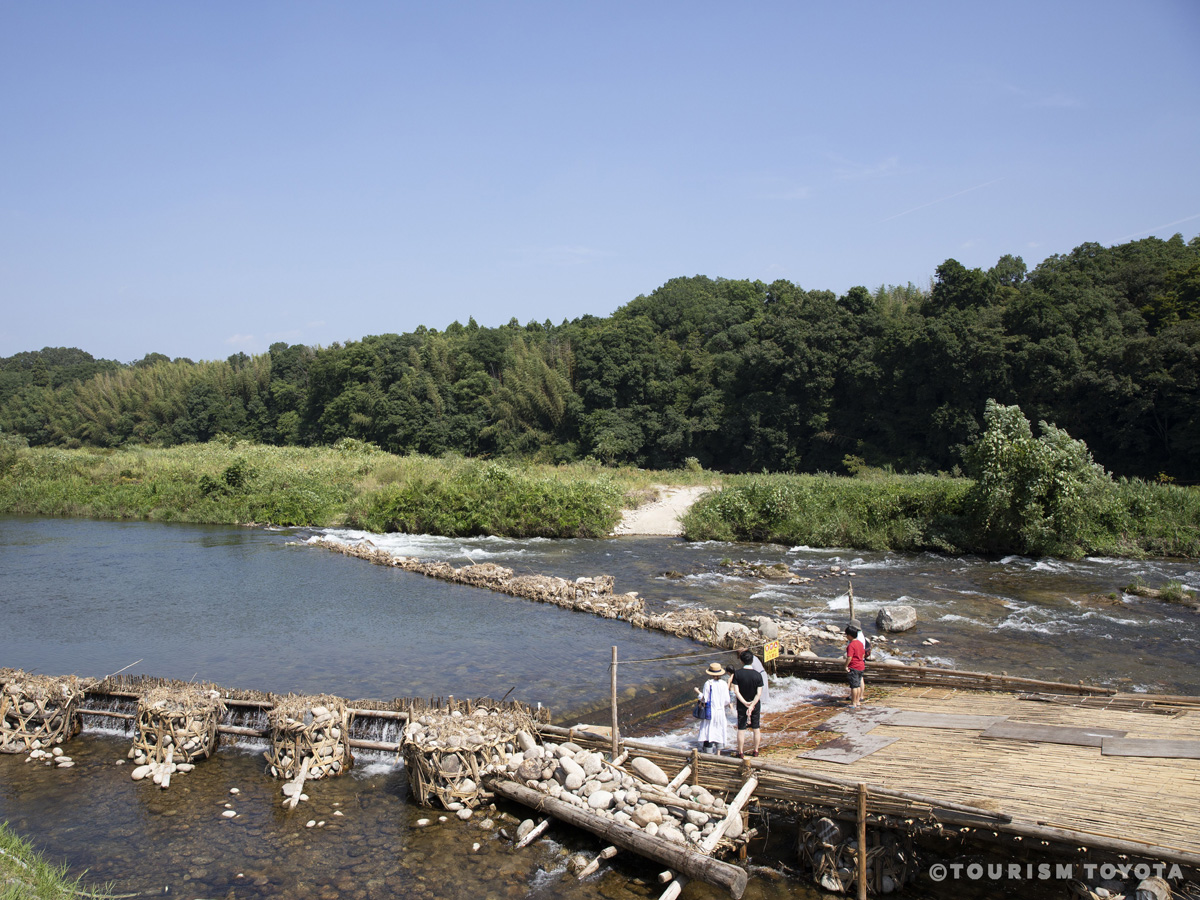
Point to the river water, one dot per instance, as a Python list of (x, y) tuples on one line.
[(262, 609)]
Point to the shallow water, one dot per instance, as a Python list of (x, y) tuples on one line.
[(252, 608)]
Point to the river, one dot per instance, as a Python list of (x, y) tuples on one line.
[(262, 609)]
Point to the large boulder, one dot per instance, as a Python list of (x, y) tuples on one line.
[(732, 634), (896, 618), (768, 628)]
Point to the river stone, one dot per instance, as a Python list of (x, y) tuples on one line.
[(527, 743), (896, 618), (651, 829), (524, 828), (573, 781), (465, 814), (669, 832), (600, 800), (569, 747), (647, 814), (768, 628), (592, 763), (535, 752), (568, 766), (530, 770), (589, 788), (697, 818), (648, 771), (734, 828), (807, 654)]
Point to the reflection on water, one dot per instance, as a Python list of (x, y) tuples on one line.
[(251, 608)]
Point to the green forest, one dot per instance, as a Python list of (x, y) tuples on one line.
[(737, 376)]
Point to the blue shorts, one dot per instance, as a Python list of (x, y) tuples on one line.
[(854, 677)]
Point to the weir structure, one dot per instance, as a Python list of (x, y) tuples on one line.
[(1031, 766)]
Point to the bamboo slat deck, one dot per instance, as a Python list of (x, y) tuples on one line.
[(1154, 801)]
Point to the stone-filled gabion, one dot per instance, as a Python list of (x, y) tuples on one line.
[(184, 719), (38, 710), (448, 751), (314, 728)]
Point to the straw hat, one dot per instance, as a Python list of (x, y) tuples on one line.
[(714, 670)]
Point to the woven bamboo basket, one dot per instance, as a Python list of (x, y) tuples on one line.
[(448, 751), (315, 728), (185, 718), (38, 710)]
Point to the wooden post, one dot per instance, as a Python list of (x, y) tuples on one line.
[(850, 595), (862, 841), (616, 738)]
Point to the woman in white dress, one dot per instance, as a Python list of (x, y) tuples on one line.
[(716, 692)]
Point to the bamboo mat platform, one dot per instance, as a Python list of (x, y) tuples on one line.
[(1148, 800)]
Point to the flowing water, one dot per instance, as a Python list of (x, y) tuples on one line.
[(260, 609)]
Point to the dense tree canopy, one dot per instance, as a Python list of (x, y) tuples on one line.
[(1103, 342)]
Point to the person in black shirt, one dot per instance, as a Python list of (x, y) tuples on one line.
[(747, 686)]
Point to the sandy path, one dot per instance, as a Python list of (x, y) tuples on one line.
[(662, 515)]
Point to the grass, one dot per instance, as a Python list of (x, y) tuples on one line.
[(25, 875), (917, 513), (235, 482)]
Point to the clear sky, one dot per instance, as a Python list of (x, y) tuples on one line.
[(202, 178)]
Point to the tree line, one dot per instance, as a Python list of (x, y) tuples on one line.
[(738, 376)]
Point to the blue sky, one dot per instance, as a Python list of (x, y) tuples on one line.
[(198, 179)]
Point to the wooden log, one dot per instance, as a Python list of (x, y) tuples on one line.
[(674, 888), (675, 856), (534, 833), (297, 784), (680, 778), (862, 841), (735, 809), (607, 853)]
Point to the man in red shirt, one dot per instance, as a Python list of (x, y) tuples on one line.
[(856, 664)]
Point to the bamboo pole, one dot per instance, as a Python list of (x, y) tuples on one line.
[(862, 841), (850, 595), (680, 859), (616, 738), (534, 833)]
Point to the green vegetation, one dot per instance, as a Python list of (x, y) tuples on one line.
[(1039, 496), (351, 483), (24, 875), (738, 376)]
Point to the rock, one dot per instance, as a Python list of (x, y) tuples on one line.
[(896, 618), (524, 828), (892, 662), (600, 800), (229, 814), (530, 770), (567, 767), (421, 823), (729, 633), (669, 832), (140, 772), (734, 828), (573, 782), (526, 742), (697, 818), (464, 814), (592, 763), (648, 771), (807, 654), (768, 628), (1153, 888)]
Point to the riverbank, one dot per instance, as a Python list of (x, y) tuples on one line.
[(350, 484), (940, 514), (26, 875), (353, 484)]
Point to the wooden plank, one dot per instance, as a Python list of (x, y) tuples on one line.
[(1050, 734), (1154, 748), (848, 749), (911, 719)]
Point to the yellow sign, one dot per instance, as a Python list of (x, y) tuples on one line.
[(770, 650)]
